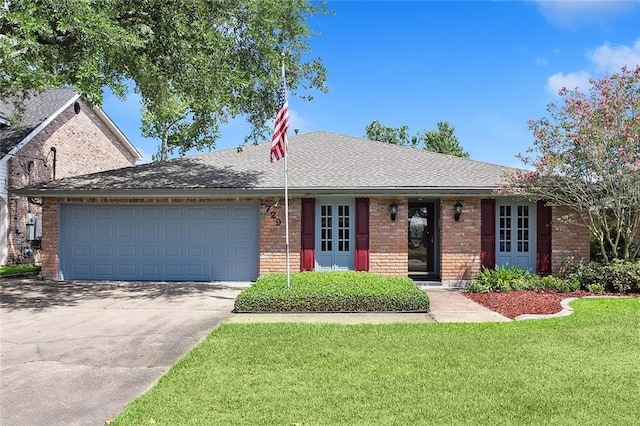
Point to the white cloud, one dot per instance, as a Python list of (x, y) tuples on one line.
[(611, 59), (572, 13), (571, 80), (296, 121), (603, 59)]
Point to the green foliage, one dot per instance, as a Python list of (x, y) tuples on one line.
[(19, 269), (502, 278), (332, 292), (616, 276), (195, 63), (442, 140), (595, 288), (514, 278), (586, 157)]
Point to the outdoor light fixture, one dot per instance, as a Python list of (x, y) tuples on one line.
[(457, 210), (393, 209), (76, 107)]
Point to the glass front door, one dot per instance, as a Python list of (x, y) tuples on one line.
[(334, 238), (421, 240), (516, 235)]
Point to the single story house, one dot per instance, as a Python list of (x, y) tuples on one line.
[(354, 204), (52, 134)]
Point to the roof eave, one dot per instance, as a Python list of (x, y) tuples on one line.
[(255, 192)]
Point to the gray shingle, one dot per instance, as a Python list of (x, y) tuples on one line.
[(36, 110), (317, 162)]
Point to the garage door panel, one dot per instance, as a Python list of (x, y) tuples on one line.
[(159, 242)]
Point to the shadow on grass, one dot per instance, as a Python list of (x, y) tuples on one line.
[(30, 293)]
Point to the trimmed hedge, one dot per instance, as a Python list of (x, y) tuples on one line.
[(332, 292)]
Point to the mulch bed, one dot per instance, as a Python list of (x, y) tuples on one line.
[(514, 303)]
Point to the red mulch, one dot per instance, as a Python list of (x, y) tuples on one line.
[(514, 303)]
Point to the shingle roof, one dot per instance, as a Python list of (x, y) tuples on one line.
[(36, 110), (318, 162)]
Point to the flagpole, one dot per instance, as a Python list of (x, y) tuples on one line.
[(286, 196)]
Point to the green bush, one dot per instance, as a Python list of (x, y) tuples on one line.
[(617, 276), (332, 292), (508, 278), (595, 288), (502, 278), (19, 269)]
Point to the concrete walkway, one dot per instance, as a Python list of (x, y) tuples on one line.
[(446, 305)]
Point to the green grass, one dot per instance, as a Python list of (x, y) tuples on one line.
[(346, 291), (578, 370), (18, 269)]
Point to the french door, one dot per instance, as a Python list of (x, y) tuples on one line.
[(334, 235), (515, 239)]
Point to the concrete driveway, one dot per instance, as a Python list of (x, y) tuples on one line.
[(77, 353)]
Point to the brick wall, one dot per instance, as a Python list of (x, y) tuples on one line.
[(49, 258), (84, 144), (388, 239), (272, 236), (459, 241), (569, 241)]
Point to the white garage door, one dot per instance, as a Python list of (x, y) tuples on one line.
[(209, 242)]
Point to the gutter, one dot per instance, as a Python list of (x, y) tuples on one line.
[(253, 193)]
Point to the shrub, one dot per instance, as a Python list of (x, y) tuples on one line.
[(19, 269), (502, 278), (595, 288), (617, 276), (507, 278), (332, 292)]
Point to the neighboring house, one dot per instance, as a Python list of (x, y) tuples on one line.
[(53, 136), (353, 204)]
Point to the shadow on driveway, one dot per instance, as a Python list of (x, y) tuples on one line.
[(30, 293)]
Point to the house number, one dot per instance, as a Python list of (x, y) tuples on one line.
[(274, 216)]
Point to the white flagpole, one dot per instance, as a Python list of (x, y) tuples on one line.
[(286, 195)]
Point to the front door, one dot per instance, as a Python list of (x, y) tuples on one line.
[(335, 235), (421, 240), (515, 239)]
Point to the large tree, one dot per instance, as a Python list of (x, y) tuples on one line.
[(442, 140), (587, 158), (195, 63)]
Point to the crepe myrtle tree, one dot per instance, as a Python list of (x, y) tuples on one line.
[(195, 63), (586, 157)]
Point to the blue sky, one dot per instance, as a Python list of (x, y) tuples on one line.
[(485, 67)]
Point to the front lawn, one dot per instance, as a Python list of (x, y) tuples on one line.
[(578, 370)]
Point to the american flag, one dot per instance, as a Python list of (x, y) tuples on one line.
[(279, 146)]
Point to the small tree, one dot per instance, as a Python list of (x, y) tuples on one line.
[(587, 158), (442, 140)]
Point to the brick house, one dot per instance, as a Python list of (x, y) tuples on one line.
[(353, 204), (56, 135)]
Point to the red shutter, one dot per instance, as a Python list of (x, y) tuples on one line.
[(488, 233), (362, 234), (543, 242), (308, 232)]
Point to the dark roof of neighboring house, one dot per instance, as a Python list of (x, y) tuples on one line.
[(37, 109), (318, 163)]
